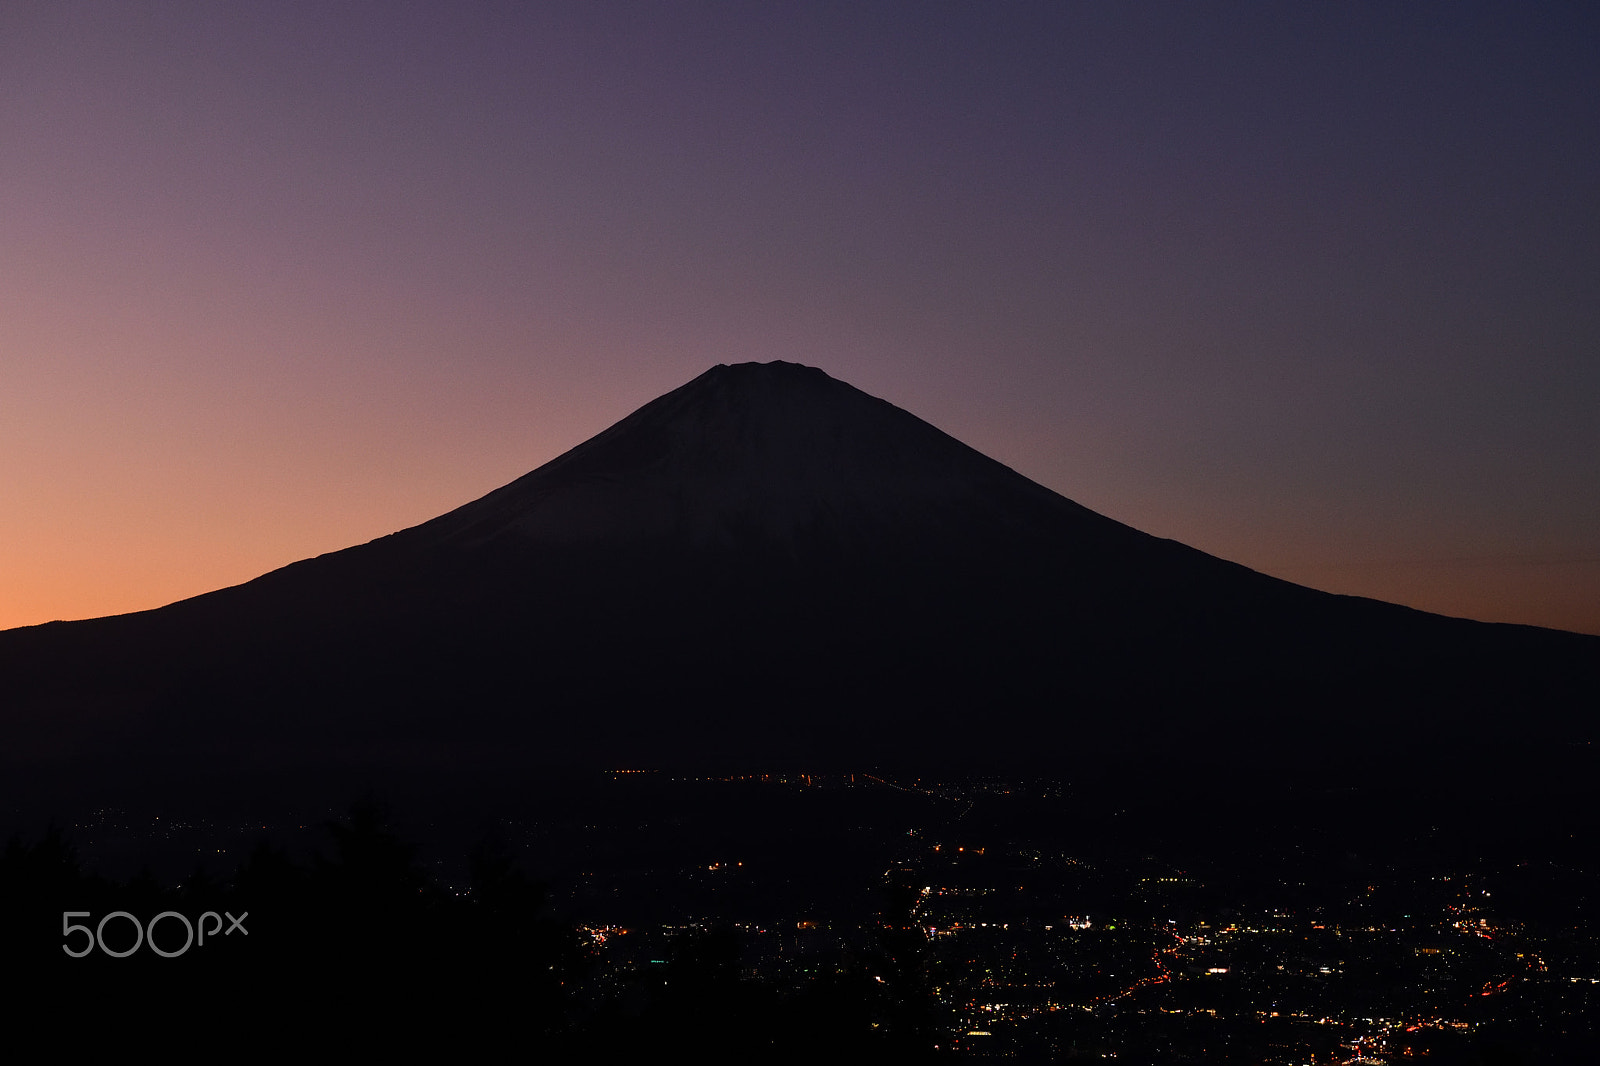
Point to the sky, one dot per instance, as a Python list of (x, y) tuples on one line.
[(1311, 287)]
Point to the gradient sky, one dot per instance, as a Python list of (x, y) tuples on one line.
[(1312, 287)]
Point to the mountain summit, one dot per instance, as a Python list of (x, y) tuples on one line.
[(768, 567), (773, 455)]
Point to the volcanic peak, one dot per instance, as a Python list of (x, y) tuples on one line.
[(774, 453)]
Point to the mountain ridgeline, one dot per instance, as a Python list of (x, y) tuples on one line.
[(769, 568)]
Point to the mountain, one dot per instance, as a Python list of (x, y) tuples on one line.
[(764, 568)]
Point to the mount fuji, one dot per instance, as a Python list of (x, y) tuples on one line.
[(767, 567)]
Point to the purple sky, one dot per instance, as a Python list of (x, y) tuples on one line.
[(1313, 287)]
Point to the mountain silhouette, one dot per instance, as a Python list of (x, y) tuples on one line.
[(767, 567)]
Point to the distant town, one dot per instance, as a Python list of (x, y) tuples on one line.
[(978, 918)]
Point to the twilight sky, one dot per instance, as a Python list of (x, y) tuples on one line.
[(1312, 287)]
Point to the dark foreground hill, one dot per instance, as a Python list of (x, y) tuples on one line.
[(767, 567)]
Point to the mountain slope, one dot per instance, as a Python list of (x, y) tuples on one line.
[(767, 566)]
